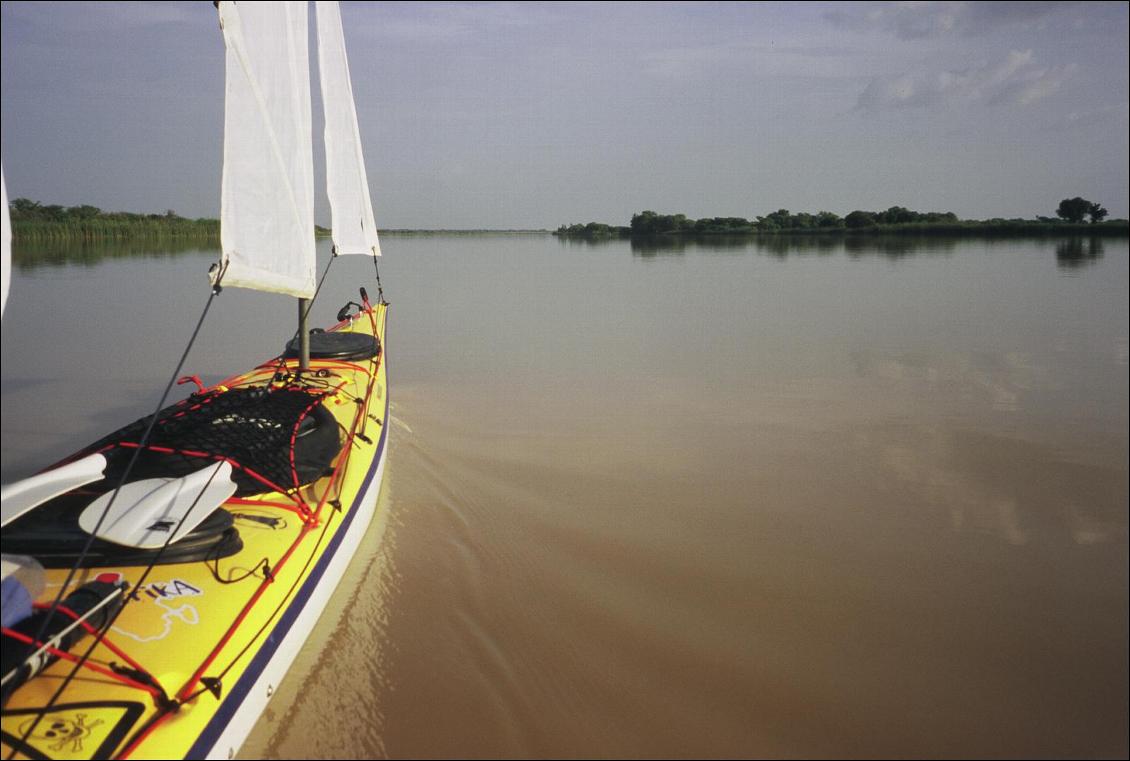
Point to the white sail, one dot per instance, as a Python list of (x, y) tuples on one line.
[(6, 242), (267, 207), (354, 231)]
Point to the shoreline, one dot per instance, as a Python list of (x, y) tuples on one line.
[(1115, 229), (62, 232), (39, 232)]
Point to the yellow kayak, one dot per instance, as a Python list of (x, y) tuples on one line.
[(198, 630)]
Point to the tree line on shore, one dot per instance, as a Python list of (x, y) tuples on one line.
[(36, 222), (1071, 213), (32, 220)]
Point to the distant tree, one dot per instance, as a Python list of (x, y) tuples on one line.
[(24, 206), (1074, 209), (1097, 213), (828, 219), (896, 215), (644, 223), (54, 211), (803, 220), (649, 223), (939, 216), (86, 211), (860, 219), (720, 224), (780, 218)]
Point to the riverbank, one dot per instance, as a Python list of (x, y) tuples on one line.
[(111, 228), (163, 229), (896, 220), (448, 233), (1117, 228)]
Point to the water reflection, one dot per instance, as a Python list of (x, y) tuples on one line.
[(803, 245), (31, 255), (1077, 252), (783, 246), (1070, 253), (1000, 382), (677, 244), (898, 246), (1018, 491)]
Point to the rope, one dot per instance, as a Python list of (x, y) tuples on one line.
[(318, 290), (380, 290)]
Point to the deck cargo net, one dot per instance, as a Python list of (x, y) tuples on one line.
[(276, 439)]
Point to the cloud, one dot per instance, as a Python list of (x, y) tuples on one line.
[(766, 60), (1033, 86), (1098, 115), (451, 22), (1016, 80), (915, 21)]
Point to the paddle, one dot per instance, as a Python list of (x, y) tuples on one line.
[(32, 492), (145, 513)]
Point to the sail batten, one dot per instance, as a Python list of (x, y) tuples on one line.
[(267, 206), (353, 227)]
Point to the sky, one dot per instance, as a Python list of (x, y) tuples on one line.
[(531, 115)]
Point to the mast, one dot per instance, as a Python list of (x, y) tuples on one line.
[(303, 336)]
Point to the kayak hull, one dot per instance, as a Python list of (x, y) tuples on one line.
[(193, 659)]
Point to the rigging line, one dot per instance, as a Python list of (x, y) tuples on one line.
[(53, 611), (318, 290), (374, 369), (380, 289), (111, 620)]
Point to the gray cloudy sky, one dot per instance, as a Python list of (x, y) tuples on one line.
[(532, 115)]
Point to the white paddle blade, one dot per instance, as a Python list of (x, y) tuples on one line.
[(32, 492), (145, 513)]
